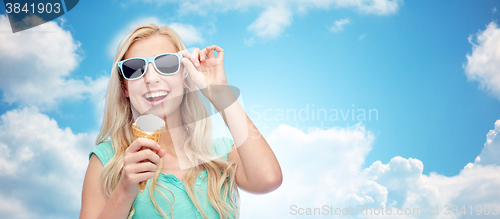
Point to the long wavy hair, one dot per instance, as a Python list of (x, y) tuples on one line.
[(117, 126)]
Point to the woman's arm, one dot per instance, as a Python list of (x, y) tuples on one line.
[(258, 169), (94, 204)]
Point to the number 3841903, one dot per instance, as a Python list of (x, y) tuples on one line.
[(39, 8), (470, 210)]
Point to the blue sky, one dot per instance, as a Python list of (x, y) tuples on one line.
[(405, 60)]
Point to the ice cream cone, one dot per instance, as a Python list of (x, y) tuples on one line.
[(155, 136)]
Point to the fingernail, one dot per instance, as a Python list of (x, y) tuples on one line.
[(157, 146)]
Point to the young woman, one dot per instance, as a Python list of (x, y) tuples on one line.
[(165, 85)]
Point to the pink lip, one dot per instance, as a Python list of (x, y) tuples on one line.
[(158, 102)]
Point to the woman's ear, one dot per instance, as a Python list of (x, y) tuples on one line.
[(125, 91), (184, 76)]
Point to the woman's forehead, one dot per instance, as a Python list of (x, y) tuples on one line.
[(150, 46)]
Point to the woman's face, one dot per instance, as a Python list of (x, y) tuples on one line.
[(149, 93)]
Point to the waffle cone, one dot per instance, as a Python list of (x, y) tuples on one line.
[(155, 136)]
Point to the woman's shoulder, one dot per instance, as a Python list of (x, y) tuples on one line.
[(222, 146), (103, 151)]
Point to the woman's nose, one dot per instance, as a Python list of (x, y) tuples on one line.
[(151, 75)]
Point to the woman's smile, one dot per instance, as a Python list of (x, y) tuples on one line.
[(156, 97)]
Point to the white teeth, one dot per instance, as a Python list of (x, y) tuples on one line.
[(156, 94)]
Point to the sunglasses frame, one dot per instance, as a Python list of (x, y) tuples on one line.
[(147, 61)]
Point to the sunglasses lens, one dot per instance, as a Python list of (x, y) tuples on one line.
[(134, 68), (167, 64)]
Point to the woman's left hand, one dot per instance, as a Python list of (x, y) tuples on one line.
[(205, 69)]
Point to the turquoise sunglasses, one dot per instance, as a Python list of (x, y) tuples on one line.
[(165, 64)]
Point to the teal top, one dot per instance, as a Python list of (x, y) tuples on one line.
[(183, 207)]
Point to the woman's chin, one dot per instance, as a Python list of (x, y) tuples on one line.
[(158, 111)]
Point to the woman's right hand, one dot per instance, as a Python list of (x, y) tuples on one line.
[(134, 171)]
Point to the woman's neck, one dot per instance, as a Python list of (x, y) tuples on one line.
[(172, 141)]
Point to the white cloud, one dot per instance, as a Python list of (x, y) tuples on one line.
[(271, 22), (36, 65), (324, 167), (278, 14), (13, 208), (41, 166), (483, 65), (97, 95), (189, 34), (378, 7), (338, 25), (408, 188), (318, 168), (491, 151)]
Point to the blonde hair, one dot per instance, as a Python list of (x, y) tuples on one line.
[(117, 125)]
